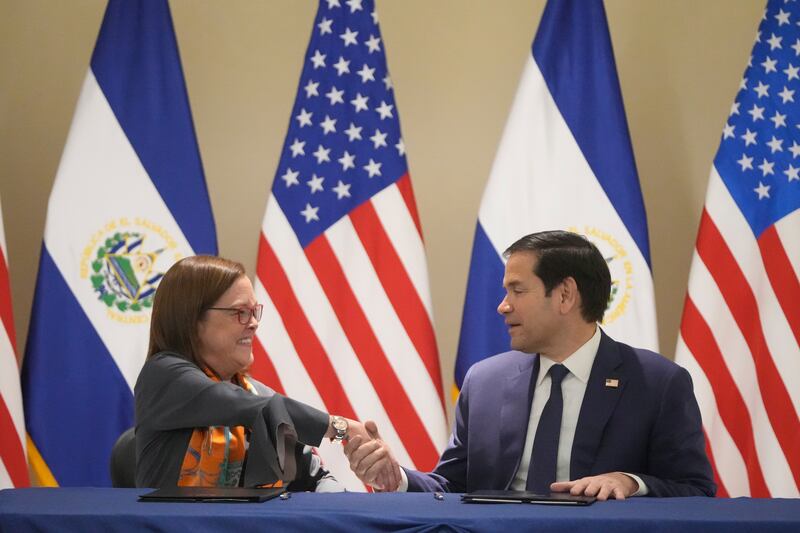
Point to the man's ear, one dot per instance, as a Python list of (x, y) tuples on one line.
[(568, 294)]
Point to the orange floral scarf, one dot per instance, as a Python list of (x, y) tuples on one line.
[(215, 455)]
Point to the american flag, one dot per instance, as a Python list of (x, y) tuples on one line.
[(13, 466), (347, 323), (740, 331)]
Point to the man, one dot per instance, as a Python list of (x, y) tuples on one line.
[(569, 409)]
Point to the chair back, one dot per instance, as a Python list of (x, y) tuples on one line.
[(123, 460)]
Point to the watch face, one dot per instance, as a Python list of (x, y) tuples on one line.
[(339, 423)]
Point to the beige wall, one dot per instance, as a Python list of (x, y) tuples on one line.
[(455, 66)]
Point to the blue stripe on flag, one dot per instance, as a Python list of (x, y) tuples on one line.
[(483, 332), (137, 66), (579, 69), (51, 377)]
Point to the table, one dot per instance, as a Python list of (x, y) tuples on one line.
[(103, 509)]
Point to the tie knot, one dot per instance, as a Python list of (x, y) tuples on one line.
[(557, 373)]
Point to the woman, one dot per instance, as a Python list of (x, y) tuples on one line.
[(200, 420)]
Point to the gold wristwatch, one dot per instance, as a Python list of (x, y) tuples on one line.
[(339, 424)]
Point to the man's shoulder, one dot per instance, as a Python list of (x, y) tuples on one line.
[(511, 361), (648, 360)]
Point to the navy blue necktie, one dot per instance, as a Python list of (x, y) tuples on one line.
[(542, 468)]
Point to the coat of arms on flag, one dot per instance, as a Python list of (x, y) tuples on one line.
[(101, 261)]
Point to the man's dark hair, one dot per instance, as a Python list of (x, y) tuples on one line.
[(562, 254)]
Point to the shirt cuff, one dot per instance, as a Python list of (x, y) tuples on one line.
[(642, 490), (403, 487)]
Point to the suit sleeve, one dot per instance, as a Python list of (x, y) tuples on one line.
[(678, 465), (309, 422), (450, 475), (173, 393)]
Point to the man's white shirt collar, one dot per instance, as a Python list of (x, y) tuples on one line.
[(579, 363)]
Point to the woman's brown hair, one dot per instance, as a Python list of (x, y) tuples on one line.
[(186, 291)]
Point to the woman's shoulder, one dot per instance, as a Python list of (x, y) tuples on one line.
[(162, 364), (159, 356), (169, 359)]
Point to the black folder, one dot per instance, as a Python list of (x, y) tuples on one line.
[(211, 495), (514, 496)]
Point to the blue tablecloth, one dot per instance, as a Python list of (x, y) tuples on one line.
[(97, 509)]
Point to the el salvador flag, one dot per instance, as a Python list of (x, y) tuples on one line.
[(129, 199), (565, 162)]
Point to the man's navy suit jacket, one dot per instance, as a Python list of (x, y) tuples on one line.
[(648, 425)]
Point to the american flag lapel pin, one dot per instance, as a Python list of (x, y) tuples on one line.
[(612, 383)]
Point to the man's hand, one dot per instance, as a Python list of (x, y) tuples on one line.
[(612, 485), (356, 429), (372, 460)]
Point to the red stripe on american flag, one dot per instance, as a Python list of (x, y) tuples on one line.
[(369, 352), (263, 369), (6, 312), (732, 409), (399, 288), (781, 276), (407, 192), (741, 301), (11, 448), (307, 344), (722, 492)]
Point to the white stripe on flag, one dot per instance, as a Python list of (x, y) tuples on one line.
[(312, 300), (5, 478), (723, 448), (275, 339), (100, 169), (386, 325), (541, 180), (789, 231), (396, 220), (3, 248), (10, 390), (736, 353), (777, 332), (336, 463), (298, 384), (9, 384), (739, 362)]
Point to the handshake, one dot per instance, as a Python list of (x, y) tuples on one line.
[(370, 457)]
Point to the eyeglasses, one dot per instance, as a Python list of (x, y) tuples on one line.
[(243, 313)]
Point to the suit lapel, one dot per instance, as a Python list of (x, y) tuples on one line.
[(514, 416), (599, 403)]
